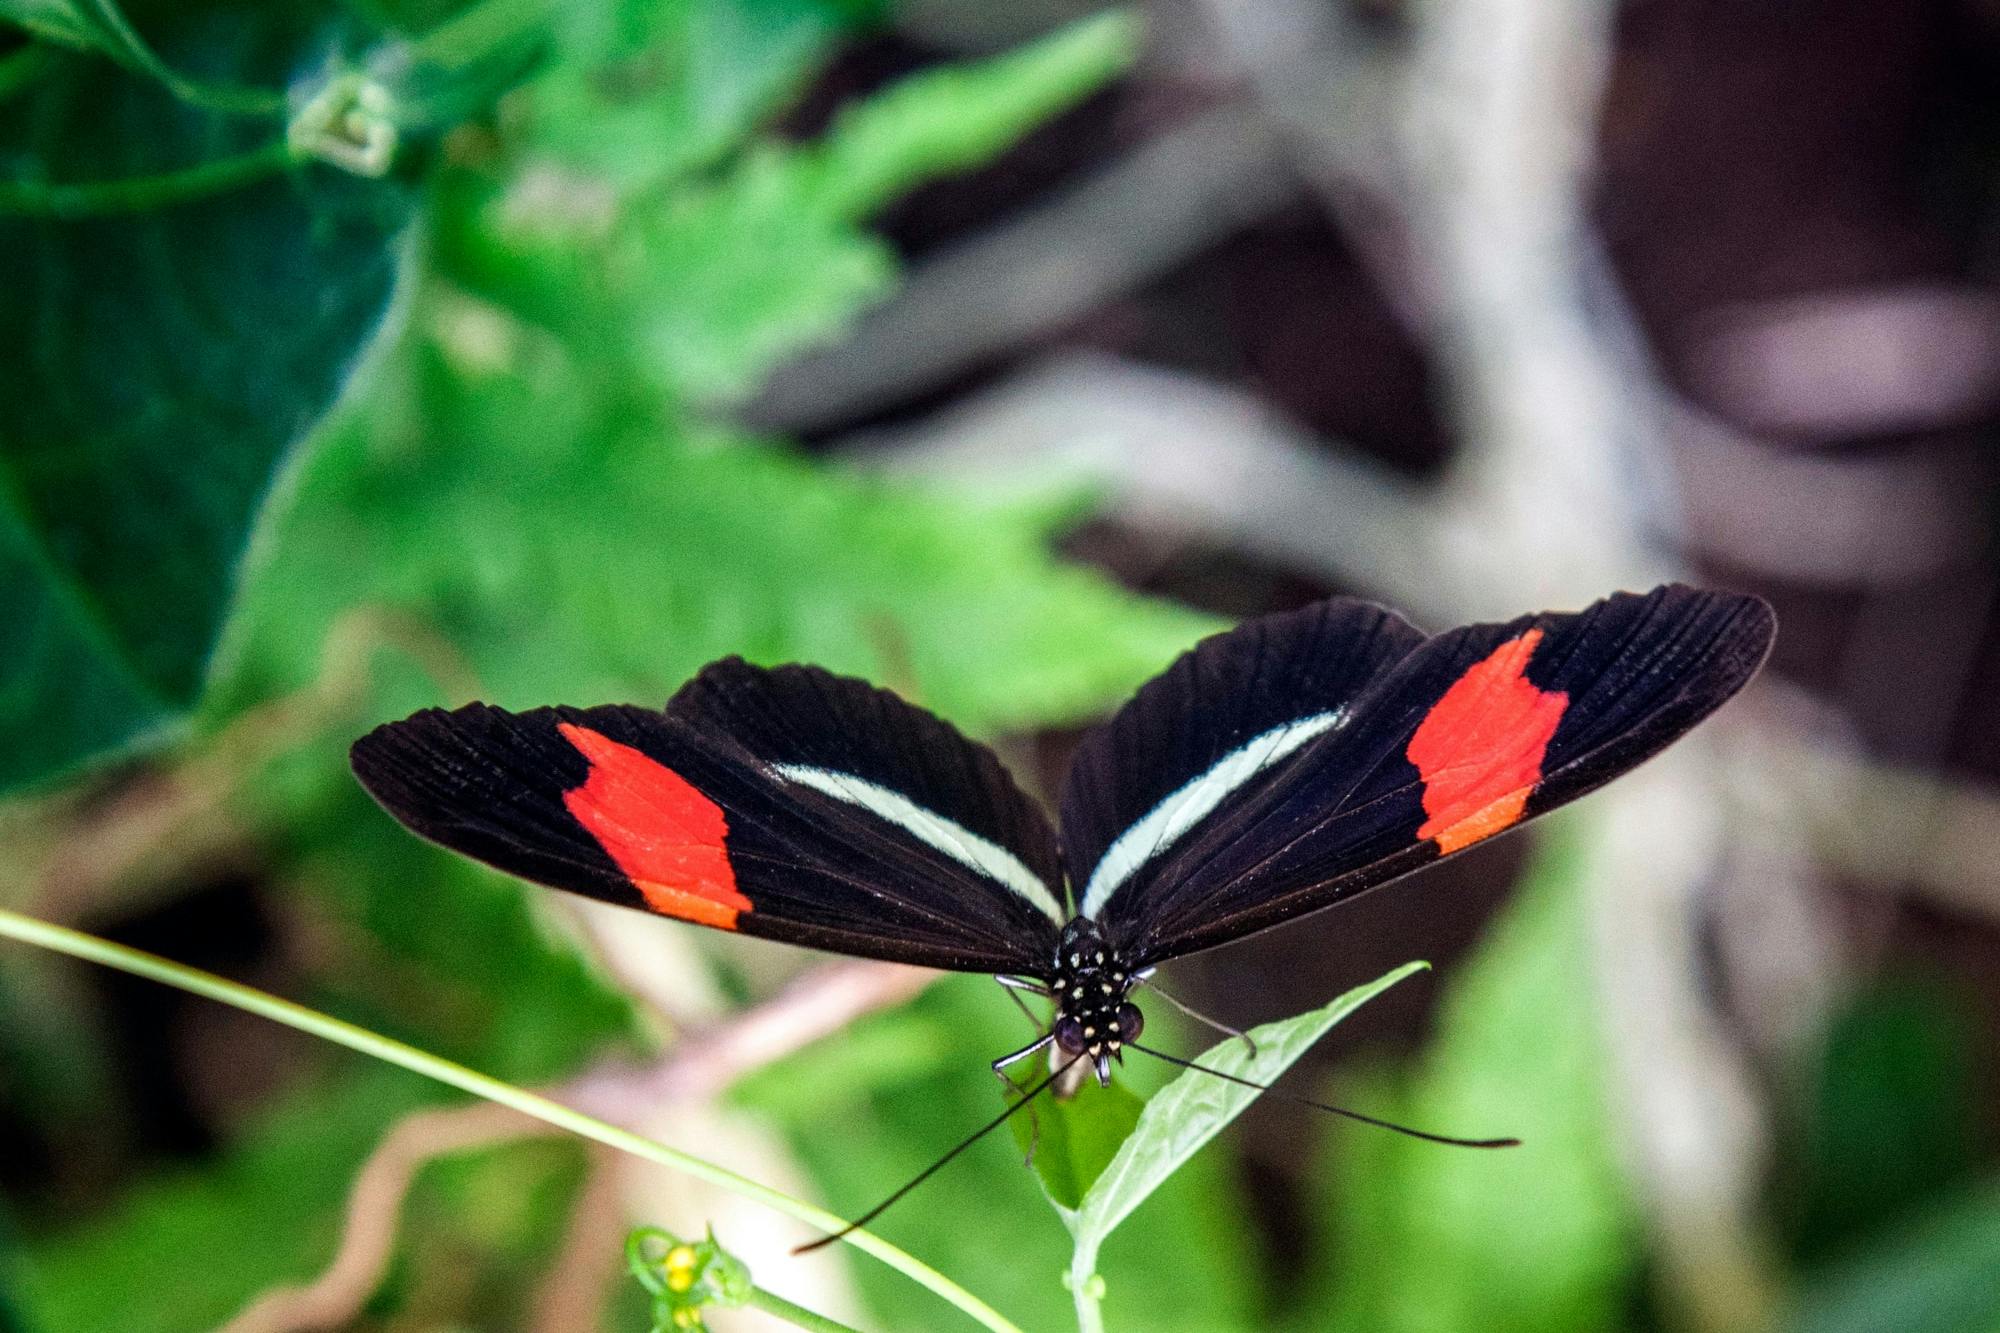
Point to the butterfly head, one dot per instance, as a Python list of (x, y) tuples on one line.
[(1091, 985)]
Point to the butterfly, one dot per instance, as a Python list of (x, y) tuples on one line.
[(1275, 769)]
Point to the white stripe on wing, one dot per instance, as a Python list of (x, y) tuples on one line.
[(952, 838), (1180, 811)]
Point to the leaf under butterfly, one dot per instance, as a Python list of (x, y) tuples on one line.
[(1194, 1108), (1074, 1140), (1543, 1237)]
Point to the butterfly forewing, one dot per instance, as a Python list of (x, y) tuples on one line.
[(874, 753), (902, 840), (1224, 721), (1466, 735)]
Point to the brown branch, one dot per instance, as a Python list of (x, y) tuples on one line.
[(1136, 218), (1331, 96), (1924, 834), (818, 1004), (368, 1237), (578, 1281)]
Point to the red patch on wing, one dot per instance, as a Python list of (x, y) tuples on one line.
[(666, 836), (1479, 749)]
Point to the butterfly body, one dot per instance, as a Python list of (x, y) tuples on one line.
[(1091, 987)]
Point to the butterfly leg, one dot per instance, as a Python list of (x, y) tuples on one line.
[(1145, 979), (1014, 986), (1000, 1072)]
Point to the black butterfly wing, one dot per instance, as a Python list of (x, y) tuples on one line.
[(867, 750), (1466, 736), (1221, 722), (899, 840)]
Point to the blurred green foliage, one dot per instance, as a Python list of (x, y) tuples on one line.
[(1889, 1117), (1938, 1272), (1540, 1237), (276, 1201), (1880, 1198)]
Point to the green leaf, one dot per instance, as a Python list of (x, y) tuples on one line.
[(1939, 1273), (716, 324), (159, 372), (1542, 1238), (743, 274), (957, 117), (1075, 1138), (639, 94), (1178, 1262), (1195, 1107)]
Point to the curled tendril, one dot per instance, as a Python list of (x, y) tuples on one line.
[(349, 122)]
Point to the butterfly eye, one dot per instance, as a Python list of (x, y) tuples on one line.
[(1069, 1035), (1130, 1022)]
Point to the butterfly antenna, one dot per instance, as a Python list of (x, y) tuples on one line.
[(934, 1167), (1322, 1106)]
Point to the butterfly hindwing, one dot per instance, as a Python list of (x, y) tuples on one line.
[(791, 834), (1467, 735), (1222, 721)]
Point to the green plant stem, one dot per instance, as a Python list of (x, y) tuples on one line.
[(777, 1306), (132, 48), (76, 944), (1083, 1288), (140, 194)]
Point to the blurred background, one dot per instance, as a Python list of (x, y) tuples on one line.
[(356, 357)]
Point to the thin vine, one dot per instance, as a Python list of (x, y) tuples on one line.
[(142, 194), (76, 944)]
